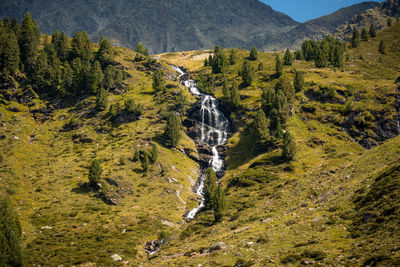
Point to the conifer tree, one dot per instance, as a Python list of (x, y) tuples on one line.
[(16, 28), (278, 66), (210, 60), (247, 73), (101, 99), (225, 88), (60, 42), (219, 204), (278, 131), (145, 160), (298, 81), (95, 172), (105, 54), (205, 62), (9, 53), (280, 109), (286, 87), (29, 42), (235, 95), (320, 59), (364, 35), (267, 101), (219, 62), (288, 58), (136, 155), (210, 188), (109, 78), (389, 22), (372, 31), (299, 55), (355, 39), (154, 153), (81, 46), (141, 49), (382, 47), (173, 130), (158, 81), (253, 53), (96, 77), (10, 236), (338, 59), (289, 146), (260, 66), (232, 57), (260, 126)]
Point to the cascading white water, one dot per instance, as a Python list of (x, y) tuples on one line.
[(213, 132)]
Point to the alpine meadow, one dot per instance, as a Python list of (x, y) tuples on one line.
[(198, 133)]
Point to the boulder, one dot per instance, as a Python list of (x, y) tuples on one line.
[(116, 257), (218, 246)]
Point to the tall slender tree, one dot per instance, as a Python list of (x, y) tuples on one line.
[(253, 53), (278, 66), (247, 73), (288, 58), (173, 130)]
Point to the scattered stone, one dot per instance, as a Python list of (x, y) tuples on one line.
[(218, 246), (167, 223), (46, 227), (153, 246), (171, 180), (16, 138), (267, 220), (241, 230), (116, 257), (317, 219)]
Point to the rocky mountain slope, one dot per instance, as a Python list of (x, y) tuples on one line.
[(179, 25)]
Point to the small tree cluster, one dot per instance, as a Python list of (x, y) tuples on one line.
[(323, 52), (173, 130), (214, 196), (146, 158), (298, 82), (219, 61), (132, 107)]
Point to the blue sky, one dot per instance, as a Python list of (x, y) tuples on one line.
[(303, 10)]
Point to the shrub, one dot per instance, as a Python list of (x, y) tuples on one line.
[(95, 172)]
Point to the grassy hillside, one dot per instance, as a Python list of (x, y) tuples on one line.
[(311, 210), (335, 204)]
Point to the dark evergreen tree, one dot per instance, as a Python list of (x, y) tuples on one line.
[(372, 31), (320, 59), (355, 39), (173, 130), (382, 47), (298, 82), (114, 110), (308, 48), (289, 146), (158, 81), (96, 77), (9, 53), (136, 155), (81, 46), (210, 60), (181, 102), (364, 35), (235, 95), (30, 40), (260, 126), (10, 236), (219, 203), (61, 44), (278, 66), (285, 85), (16, 28), (299, 55), (41, 74), (210, 188), (101, 99), (219, 62), (225, 88), (267, 101), (338, 57), (141, 49), (105, 54), (232, 57), (253, 53), (389, 22), (145, 160), (95, 172), (280, 109), (288, 58), (205, 62), (260, 66), (109, 78), (154, 153), (247, 73)]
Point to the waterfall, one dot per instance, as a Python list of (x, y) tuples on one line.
[(213, 133)]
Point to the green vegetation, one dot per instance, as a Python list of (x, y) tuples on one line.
[(95, 172), (253, 54), (173, 130)]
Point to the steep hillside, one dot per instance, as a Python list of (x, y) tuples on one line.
[(334, 204), (161, 25)]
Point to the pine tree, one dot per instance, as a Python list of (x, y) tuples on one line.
[(267, 101), (289, 146), (355, 39), (29, 43), (364, 35), (288, 58), (260, 126), (141, 49), (60, 42), (278, 131), (205, 62), (136, 155), (9, 53), (154, 153), (280, 109), (225, 88), (96, 77), (173, 130), (298, 81), (109, 78), (285, 85), (219, 204), (247, 73), (16, 28), (232, 57), (235, 95), (81, 46), (158, 81), (253, 53), (260, 66), (278, 66), (105, 54), (145, 160), (320, 59), (372, 31), (210, 60), (338, 58), (382, 47), (219, 62), (389, 22), (299, 55), (95, 172), (10, 236), (101, 99), (210, 188)]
